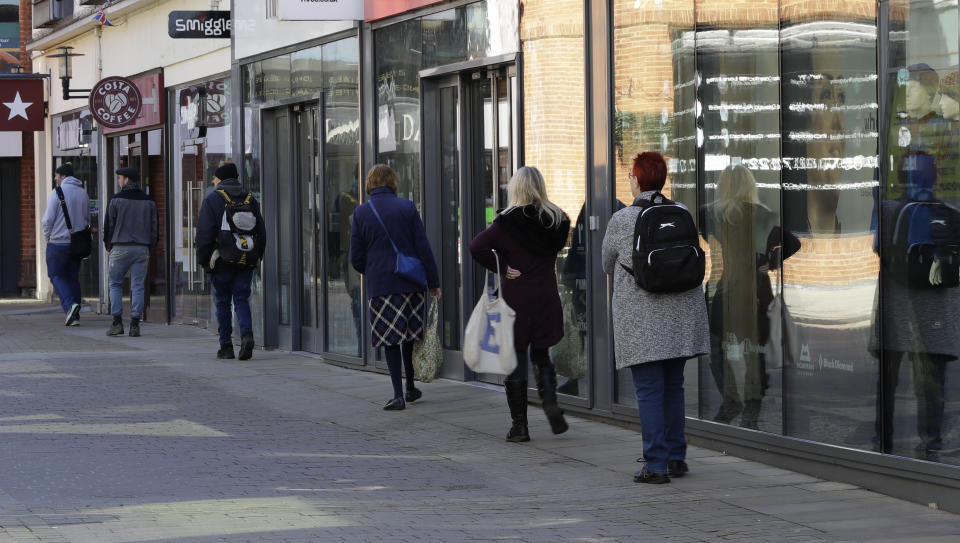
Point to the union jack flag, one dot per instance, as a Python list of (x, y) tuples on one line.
[(101, 16)]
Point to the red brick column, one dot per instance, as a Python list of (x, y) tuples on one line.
[(28, 237)]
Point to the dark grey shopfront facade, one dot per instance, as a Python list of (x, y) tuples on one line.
[(814, 105)]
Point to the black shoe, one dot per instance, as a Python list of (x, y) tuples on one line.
[(395, 404), (677, 468), (413, 394), (650, 477), (134, 328), (246, 347), (226, 351), (116, 329), (73, 315), (517, 402)]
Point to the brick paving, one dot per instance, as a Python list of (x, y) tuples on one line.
[(153, 439)]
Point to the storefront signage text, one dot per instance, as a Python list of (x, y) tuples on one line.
[(115, 102), (199, 24)]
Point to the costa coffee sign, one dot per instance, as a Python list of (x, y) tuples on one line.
[(115, 102)]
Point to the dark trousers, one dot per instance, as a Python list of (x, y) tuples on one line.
[(232, 285), (64, 272), (539, 358), (660, 403), (929, 377)]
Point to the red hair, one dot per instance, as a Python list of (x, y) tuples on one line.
[(650, 170)]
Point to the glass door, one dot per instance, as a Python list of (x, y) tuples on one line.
[(192, 291), (469, 156), (308, 147)]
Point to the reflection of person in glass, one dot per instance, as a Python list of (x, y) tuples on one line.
[(822, 199), (919, 246), (920, 126), (746, 233), (344, 206)]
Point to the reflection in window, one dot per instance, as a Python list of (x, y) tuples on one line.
[(655, 110), (828, 170), (740, 218), (918, 317)]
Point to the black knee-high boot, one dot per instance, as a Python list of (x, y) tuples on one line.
[(517, 401), (413, 393), (546, 376), (395, 363)]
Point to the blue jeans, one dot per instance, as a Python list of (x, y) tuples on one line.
[(661, 407), (134, 258), (64, 272), (232, 285)]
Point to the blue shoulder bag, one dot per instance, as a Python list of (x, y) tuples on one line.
[(408, 267)]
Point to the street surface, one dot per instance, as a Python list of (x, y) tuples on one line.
[(153, 439)]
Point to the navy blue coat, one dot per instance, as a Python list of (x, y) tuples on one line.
[(211, 218), (371, 253)]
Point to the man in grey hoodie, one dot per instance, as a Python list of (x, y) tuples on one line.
[(129, 235), (62, 268)]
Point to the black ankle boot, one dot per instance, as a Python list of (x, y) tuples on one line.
[(517, 401), (546, 377)]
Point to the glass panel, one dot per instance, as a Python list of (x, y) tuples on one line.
[(251, 175), (740, 216), (398, 61), (306, 123), (478, 31), (305, 74), (341, 174), (450, 253), (444, 38), (920, 236), (655, 110), (554, 141), (285, 188), (828, 171)]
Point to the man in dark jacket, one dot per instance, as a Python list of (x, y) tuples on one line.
[(231, 281), (129, 234)]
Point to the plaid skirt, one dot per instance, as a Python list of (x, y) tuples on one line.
[(396, 318)]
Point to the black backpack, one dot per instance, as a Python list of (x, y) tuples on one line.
[(237, 242), (922, 232), (666, 248)]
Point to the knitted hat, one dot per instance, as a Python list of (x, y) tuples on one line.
[(65, 169), (949, 86), (227, 171)]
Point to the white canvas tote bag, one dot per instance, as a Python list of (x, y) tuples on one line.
[(489, 335)]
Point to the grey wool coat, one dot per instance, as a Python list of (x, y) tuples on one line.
[(646, 326)]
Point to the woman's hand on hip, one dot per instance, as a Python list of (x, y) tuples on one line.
[(512, 273)]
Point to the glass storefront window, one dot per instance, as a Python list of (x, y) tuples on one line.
[(918, 309), (342, 185), (655, 109)]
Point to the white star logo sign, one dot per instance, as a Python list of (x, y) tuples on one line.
[(18, 108)]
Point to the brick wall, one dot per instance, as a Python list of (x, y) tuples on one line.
[(28, 235)]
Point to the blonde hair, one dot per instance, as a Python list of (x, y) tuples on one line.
[(527, 187), (381, 175), (735, 187)]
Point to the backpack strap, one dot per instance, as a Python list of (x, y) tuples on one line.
[(225, 196), (63, 205)]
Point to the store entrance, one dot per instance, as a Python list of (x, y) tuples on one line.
[(470, 127), (192, 296)]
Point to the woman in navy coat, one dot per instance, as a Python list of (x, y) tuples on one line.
[(396, 304), (527, 236)]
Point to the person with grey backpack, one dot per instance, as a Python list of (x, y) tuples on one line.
[(230, 242)]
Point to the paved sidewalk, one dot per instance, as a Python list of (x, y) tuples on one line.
[(153, 439)]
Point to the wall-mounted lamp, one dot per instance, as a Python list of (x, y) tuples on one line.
[(66, 72), (16, 69)]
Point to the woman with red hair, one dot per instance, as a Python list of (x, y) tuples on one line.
[(654, 333)]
